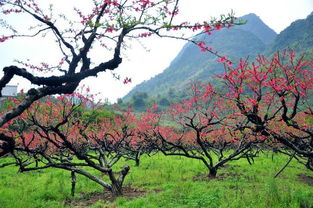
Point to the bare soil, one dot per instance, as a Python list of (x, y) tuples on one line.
[(88, 199), (219, 176), (305, 179)]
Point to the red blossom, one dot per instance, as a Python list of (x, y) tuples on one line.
[(218, 27), (4, 38), (222, 59), (202, 46), (146, 34), (127, 80)]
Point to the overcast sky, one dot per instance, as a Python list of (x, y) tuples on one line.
[(143, 62)]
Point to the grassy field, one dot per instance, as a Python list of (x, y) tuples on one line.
[(168, 182)]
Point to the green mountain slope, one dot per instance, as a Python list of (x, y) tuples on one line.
[(299, 35), (192, 65)]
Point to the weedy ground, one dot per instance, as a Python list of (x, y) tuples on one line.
[(170, 182)]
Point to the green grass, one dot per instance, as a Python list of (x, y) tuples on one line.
[(238, 185)]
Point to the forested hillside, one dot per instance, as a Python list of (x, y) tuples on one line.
[(299, 35), (191, 65)]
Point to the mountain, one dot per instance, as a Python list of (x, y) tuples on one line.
[(258, 28), (299, 35), (192, 65)]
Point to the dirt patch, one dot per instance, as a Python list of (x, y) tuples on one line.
[(88, 199), (305, 179), (221, 176), (228, 166), (225, 166)]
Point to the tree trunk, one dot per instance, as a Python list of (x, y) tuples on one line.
[(137, 157), (212, 172), (116, 190), (117, 184), (137, 162), (309, 164), (73, 176)]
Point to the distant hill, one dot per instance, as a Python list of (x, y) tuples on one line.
[(192, 65), (299, 35)]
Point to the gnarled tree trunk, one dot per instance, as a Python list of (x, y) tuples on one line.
[(117, 183)]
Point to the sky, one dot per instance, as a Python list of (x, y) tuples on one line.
[(151, 56)]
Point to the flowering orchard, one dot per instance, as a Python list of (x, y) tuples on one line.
[(268, 101), (109, 24), (71, 132)]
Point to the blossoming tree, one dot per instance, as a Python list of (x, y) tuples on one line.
[(275, 95), (206, 128)]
